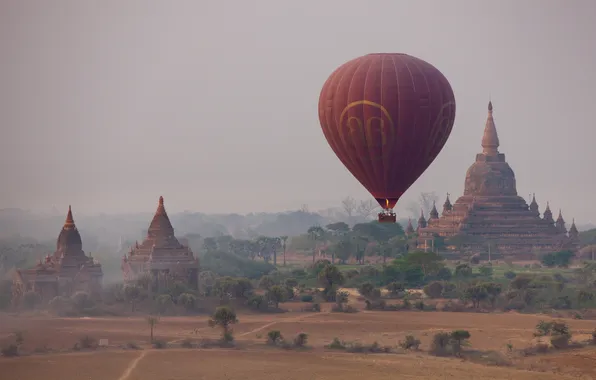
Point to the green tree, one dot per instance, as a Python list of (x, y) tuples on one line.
[(266, 282), (330, 277), (276, 294), (224, 317), (188, 300), (463, 271), (458, 338), (132, 294), (486, 270), (342, 250), (561, 259), (315, 234)]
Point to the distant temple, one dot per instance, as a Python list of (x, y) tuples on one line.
[(161, 255), (63, 273), (490, 211)]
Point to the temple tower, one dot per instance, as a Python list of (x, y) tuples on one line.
[(560, 224), (421, 221), (490, 210), (434, 214), (160, 255), (534, 206), (548, 214), (447, 205)]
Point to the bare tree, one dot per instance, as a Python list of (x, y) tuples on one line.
[(427, 200), (413, 210), (349, 205), (367, 208)]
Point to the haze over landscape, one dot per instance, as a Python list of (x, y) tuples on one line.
[(214, 230), (213, 104)]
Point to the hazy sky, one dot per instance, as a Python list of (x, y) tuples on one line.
[(106, 105)]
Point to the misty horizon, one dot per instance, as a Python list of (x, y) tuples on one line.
[(214, 106)]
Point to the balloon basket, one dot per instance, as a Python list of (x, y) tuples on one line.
[(387, 216)]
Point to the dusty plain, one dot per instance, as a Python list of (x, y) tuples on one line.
[(253, 359)]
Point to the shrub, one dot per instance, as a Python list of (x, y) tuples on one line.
[(395, 288), (227, 337), (160, 344), (274, 337), (434, 289), (81, 301), (440, 344), (366, 289), (87, 342), (336, 344), (373, 348), (560, 341), (410, 343), (316, 307), (132, 346), (186, 343), (300, 339), (257, 302), (11, 350), (188, 300), (510, 274), (306, 298)]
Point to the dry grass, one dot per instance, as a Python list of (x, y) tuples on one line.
[(490, 332)]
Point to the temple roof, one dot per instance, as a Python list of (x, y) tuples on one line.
[(160, 224), (69, 239), (161, 232)]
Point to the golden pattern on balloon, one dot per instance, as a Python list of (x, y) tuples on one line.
[(440, 135), (376, 131)]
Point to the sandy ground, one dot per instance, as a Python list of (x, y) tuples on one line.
[(255, 360)]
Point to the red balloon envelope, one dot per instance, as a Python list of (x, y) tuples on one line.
[(387, 117)]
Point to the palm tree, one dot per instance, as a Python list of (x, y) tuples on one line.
[(315, 233), (152, 321), (283, 245)]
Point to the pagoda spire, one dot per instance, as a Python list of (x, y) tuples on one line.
[(160, 225), (548, 215), (69, 222), (434, 214), (534, 205), (573, 232), (490, 139), (560, 223), (447, 205), (421, 220)]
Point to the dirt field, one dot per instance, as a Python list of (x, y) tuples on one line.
[(254, 360)]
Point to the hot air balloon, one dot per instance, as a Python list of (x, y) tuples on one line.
[(387, 116)]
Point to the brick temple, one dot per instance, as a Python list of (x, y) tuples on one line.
[(491, 211), (161, 255), (63, 273)]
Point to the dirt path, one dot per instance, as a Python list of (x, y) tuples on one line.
[(296, 319), (133, 364)]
